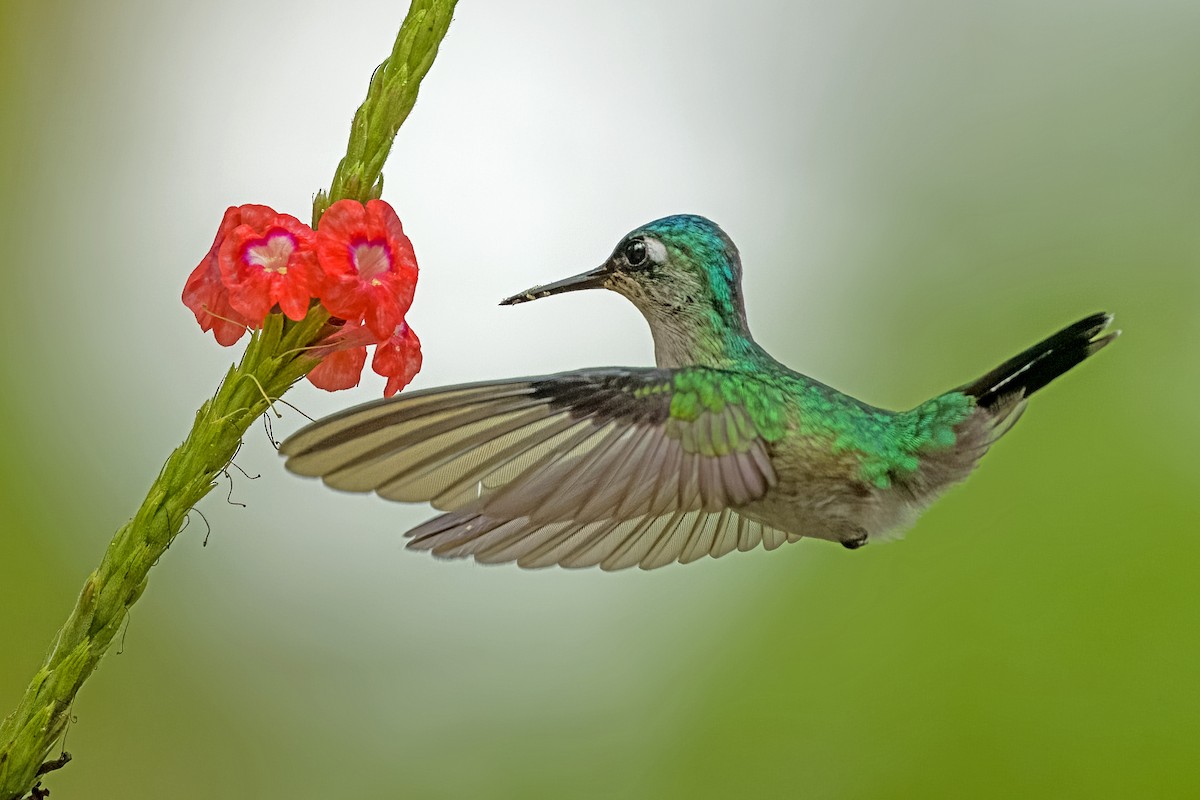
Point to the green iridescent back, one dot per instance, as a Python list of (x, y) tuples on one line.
[(886, 444)]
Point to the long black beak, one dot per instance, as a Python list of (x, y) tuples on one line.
[(595, 279)]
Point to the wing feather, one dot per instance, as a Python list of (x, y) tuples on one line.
[(772, 538), (749, 535), (726, 539)]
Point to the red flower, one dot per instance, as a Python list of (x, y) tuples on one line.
[(398, 359), (267, 260), (369, 265), (207, 297)]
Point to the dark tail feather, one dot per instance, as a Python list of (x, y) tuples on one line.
[(1024, 374)]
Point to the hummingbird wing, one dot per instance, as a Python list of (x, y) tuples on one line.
[(591, 445), (648, 541)]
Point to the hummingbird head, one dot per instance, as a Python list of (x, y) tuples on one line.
[(684, 274)]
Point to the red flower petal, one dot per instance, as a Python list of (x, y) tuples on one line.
[(368, 265), (206, 295), (343, 354), (340, 370), (294, 296), (398, 359), (383, 310)]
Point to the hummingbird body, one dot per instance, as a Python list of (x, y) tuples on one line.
[(719, 447)]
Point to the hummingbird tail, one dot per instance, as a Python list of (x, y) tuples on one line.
[(1019, 377), (1000, 399)]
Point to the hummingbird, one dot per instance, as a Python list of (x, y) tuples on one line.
[(719, 447)]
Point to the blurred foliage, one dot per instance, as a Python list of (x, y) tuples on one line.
[(954, 182)]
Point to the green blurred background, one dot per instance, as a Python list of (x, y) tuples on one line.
[(919, 190)]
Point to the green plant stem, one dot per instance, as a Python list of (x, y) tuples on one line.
[(274, 360), (116, 584)]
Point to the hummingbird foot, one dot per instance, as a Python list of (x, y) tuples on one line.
[(854, 539)]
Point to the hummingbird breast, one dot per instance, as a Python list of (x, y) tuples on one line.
[(820, 494)]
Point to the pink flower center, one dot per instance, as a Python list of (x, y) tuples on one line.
[(371, 258), (270, 253)]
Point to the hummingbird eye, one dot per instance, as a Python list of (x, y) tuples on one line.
[(635, 252)]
